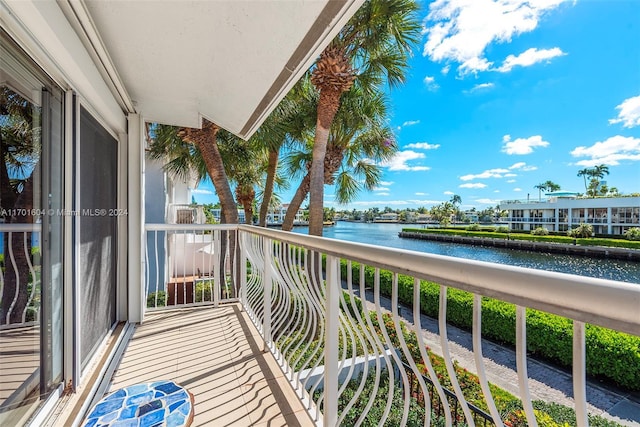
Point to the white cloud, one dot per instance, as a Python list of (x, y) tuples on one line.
[(385, 189), (522, 166), (410, 123), (473, 185), (496, 191), (511, 181), (609, 152), (449, 193), (517, 189), (445, 69), (201, 191), (431, 84), (399, 161), (490, 173), (385, 183), (461, 30), (629, 114), (382, 194), (480, 86), (529, 57), (423, 146), (420, 194), (522, 145), (509, 175)]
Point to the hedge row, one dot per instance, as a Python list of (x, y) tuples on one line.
[(609, 354), (618, 243)]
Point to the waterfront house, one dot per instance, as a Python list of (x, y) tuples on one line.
[(563, 210), (89, 312), (387, 217)]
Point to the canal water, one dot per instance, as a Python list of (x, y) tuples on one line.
[(387, 235)]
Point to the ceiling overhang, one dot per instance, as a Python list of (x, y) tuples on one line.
[(231, 62)]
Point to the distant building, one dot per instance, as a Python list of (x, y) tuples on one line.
[(564, 210), (275, 216), (387, 217), (472, 216)]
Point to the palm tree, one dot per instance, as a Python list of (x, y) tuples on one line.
[(242, 160), (283, 127), (551, 186), (187, 151), (585, 173), (205, 140), (456, 200), (540, 187), (359, 140), (374, 44), (597, 173)]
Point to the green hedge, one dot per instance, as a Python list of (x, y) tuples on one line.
[(629, 244), (618, 243), (609, 354)]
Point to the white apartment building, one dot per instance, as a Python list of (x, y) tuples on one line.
[(563, 210)]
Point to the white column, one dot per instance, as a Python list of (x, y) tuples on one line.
[(609, 221), (135, 208)]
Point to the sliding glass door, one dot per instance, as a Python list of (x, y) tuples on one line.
[(31, 227)]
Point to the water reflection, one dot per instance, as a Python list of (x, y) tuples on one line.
[(387, 235)]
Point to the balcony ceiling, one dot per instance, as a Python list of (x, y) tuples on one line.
[(228, 61)]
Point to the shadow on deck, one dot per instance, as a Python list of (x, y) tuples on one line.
[(216, 353)]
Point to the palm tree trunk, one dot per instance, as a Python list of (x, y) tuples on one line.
[(205, 140), (215, 168), (332, 161), (327, 108), (296, 202), (248, 213), (268, 186)]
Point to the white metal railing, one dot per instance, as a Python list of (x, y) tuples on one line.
[(186, 214), (20, 276), (189, 265), (318, 304)]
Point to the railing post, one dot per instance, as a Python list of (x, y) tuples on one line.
[(242, 265), (268, 285), (332, 308), (218, 272), (580, 373)]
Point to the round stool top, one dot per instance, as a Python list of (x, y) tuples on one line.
[(160, 403)]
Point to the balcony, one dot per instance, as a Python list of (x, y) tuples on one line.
[(315, 307), (185, 214)]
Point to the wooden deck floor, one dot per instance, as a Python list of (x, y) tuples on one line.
[(19, 364), (216, 354)]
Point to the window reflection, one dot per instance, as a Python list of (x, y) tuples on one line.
[(31, 171), (20, 151)]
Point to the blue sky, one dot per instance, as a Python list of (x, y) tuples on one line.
[(502, 95)]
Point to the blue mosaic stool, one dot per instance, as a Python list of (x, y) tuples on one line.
[(160, 403)]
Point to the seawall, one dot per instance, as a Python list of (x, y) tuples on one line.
[(559, 248)]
